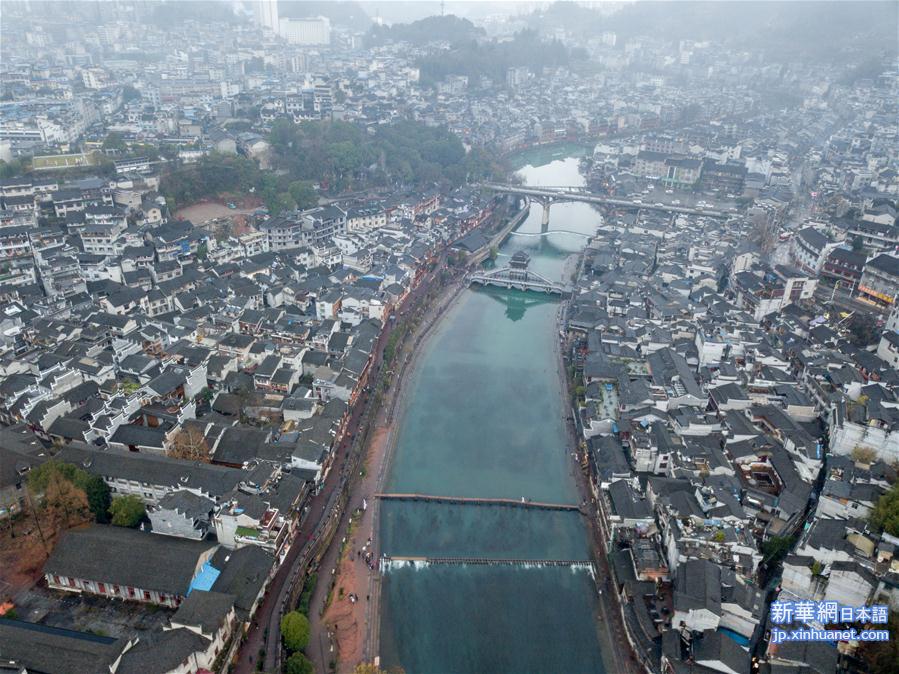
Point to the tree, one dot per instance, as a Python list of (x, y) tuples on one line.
[(863, 329), (862, 454), (881, 657), (190, 444), (61, 488), (371, 668), (98, 498), (65, 500), (776, 548), (114, 141), (295, 631), (885, 516), (298, 663), (129, 387), (127, 511), (12, 168), (303, 194)]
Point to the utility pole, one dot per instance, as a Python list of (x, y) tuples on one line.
[(37, 521)]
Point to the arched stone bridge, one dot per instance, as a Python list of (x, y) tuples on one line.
[(519, 279)]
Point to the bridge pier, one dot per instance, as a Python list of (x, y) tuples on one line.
[(544, 222), (547, 194)]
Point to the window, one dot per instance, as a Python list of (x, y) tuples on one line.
[(131, 592), (146, 595), (101, 588)]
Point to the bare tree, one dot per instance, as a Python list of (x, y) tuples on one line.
[(190, 443)]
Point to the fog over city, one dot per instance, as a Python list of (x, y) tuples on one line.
[(449, 337)]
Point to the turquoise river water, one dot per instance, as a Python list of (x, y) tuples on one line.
[(483, 417)]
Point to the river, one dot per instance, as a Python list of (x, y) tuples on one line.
[(483, 416)]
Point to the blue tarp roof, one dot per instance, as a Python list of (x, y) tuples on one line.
[(739, 638), (205, 579)]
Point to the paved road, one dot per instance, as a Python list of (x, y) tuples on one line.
[(846, 301), (269, 614), (320, 649)]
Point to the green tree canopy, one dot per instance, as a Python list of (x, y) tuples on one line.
[(341, 156), (13, 168), (776, 548), (96, 491), (298, 663), (303, 194), (127, 511), (476, 58), (448, 28), (337, 155), (114, 141), (98, 497), (295, 631), (885, 516), (863, 329)]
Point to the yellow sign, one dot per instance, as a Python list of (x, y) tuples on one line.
[(886, 298)]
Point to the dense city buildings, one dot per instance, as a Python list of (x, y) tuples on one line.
[(573, 327)]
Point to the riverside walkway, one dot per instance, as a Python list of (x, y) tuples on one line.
[(463, 500)]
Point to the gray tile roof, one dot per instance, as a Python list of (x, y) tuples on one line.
[(40, 648), (161, 471), (162, 652), (128, 557), (206, 610)]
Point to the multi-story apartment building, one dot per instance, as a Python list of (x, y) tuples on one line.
[(879, 283)]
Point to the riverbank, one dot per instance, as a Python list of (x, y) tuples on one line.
[(479, 412), (618, 657), (350, 615), (344, 617), (546, 152)]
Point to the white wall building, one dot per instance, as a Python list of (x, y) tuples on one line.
[(309, 31)]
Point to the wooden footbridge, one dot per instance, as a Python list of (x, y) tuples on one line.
[(463, 500)]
